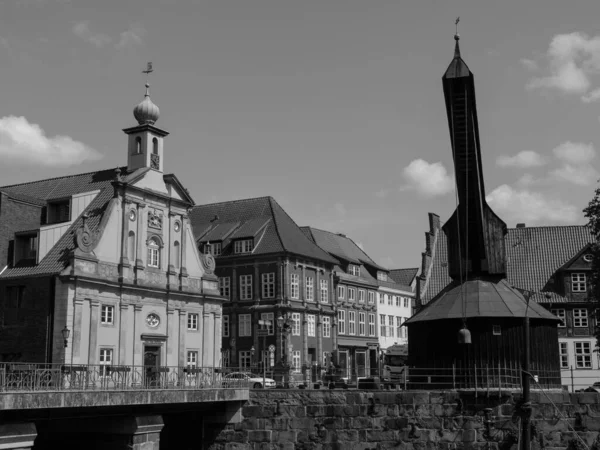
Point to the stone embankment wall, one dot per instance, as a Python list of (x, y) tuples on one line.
[(361, 420)]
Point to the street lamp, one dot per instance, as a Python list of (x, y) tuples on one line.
[(66, 333)]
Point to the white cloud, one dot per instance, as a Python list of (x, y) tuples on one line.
[(591, 96), (526, 158), (575, 152), (529, 64), (82, 29), (584, 175), (427, 179), (25, 142), (131, 37), (531, 207), (527, 180)]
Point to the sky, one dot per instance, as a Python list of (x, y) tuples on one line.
[(333, 107)]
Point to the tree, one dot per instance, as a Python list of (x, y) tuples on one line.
[(592, 213)]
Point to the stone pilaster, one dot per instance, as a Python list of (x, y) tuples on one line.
[(218, 333), (172, 341), (286, 280), (125, 236), (77, 329), (123, 327), (184, 225), (93, 342), (138, 323), (256, 285), (142, 221), (207, 339), (171, 237), (182, 330), (332, 290)]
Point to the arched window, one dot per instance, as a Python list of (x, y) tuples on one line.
[(153, 252), (176, 254), (131, 246), (138, 145), (155, 146)]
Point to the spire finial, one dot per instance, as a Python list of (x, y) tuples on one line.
[(148, 71), (146, 112), (456, 38)]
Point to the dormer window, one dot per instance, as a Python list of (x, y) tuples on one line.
[(26, 247), (58, 211), (214, 249), (244, 246), (354, 270), (578, 282), (381, 276)]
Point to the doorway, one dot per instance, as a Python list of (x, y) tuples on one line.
[(344, 363), (151, 366)]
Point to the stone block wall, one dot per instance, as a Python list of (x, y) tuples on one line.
[(361, 420)]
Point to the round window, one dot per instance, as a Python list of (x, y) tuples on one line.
[(153, 320), (177, 226), (588, 257), (132, 215)]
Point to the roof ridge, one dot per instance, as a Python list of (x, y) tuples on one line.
[(549, 226), (234, 201), (270, 202), (61, 177)]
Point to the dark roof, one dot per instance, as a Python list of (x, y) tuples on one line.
[(534, 254), (457, 68), (404, 276), (479, 298), (393, 285), (277, 232)]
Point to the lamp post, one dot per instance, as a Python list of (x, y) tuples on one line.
[(252, 350), (66, 333)]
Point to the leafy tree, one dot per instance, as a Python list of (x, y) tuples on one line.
[(592, 213)]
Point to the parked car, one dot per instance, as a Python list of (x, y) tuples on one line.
[(253, 380)]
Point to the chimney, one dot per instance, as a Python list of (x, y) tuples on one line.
[(520, 225)]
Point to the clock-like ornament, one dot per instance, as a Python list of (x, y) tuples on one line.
[(132, 215), (153, 320)]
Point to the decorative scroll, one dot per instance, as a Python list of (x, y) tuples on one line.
[(86, 240), (155, 220), (208, 263)]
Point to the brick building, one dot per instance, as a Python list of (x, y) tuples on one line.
[(108, 260), (268, 269), (552, 264)]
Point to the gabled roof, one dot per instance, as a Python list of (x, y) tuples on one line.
[(404, 276), (276, 231)]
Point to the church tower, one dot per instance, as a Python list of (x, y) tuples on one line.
[(145, 146)]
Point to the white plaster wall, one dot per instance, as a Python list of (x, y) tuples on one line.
[(108, 249), (49, 236), (152, 180), (581, 378), (393, 310), (192, 262), (81, 201)]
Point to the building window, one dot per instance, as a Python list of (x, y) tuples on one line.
[(580, 318), (397, 301), (354, 270), (245, 359), (296, 324), (13, 307), (225, 326), (155, 146), (341, 321), (216, 248), (351, 294), (563, 349), (381, 301), (271, 326), (311, 325), (106, 359), (578, 282), (361, 323), (246, 287), (583, 355), (107, 314), (153, 252), (176, 254), (496, 330), (405, 302), (391, 326), (244, 325), (27, 246), (225, 287), (58, 212), (351, 322), (295, 285), (390, 300), (341, 291), (296, 361), (371, 324), (192, 359), (244, 246), (138, 145), (131, 246), (326, 322), (192, 323), (381, 276), (324, 291), (361, 296), (310, 291), (268, 285), (398, 326), (382, 325), (371, 297), (562, 315)]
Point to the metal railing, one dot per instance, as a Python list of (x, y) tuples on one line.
[(29, 377)]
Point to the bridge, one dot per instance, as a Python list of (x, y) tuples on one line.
[(112, 407)]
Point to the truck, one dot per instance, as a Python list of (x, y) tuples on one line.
[(395, 370)]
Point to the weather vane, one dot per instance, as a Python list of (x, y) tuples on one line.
[(148, 70), (455, 24)]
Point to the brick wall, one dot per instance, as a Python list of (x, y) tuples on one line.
[(15, 216), (348, 420)]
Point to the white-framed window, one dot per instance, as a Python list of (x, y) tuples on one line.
[(398, 326), (583, 355), (371, 324), (311, 325), (391, 326), (361, 296), (326, 324), (563, 349), (354, 270), (381, 276), (243, 246), (192, 359), (578, 282), (244, 325), (351, 322), (382, 326), (381, 298), (268, 285), (295, 285), (351, 294), (246, 287), (225, 287), (405, 302), (324, 291), (107, 315), (296, 361), (341, 329), (153, 253), (341, 291), (245, 359), (361, 323), (192, 322), (217, 248), (106, 360), (580, 317), (390, 299), (371, 297), (562, 315), (397, 301), (295, 324), (225, 326), (269, 317), (310, 290)]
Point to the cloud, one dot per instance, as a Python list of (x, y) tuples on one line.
[(591, 96), (427, 179), (584, 175), (131, 37), (25, 142), (575, 152), (529, 64), (526, 158), (531, 207), (82, 29), (527, 180)]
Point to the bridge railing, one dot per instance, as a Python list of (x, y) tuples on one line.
[(63, 377)]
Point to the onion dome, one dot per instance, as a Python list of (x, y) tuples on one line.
[(146, 112)]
